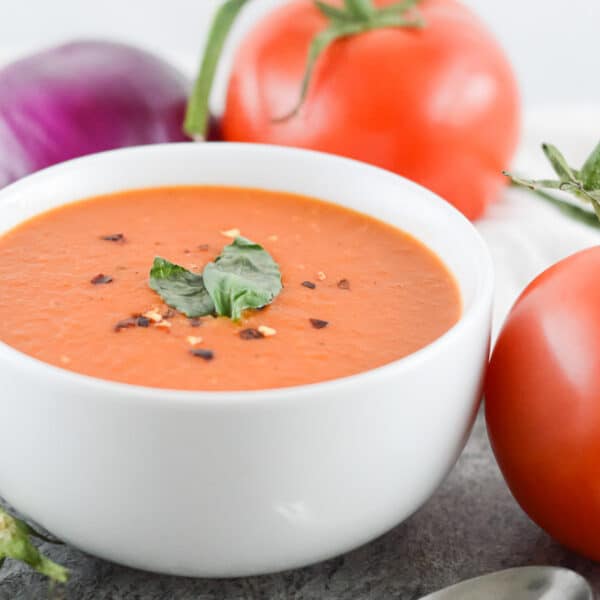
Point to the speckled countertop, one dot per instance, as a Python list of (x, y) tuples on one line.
[(471, 526)]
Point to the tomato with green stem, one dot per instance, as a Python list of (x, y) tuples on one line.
[(543, 386), (417, 87)]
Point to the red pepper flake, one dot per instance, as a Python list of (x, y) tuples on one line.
[(343, 284), (126, 323), (202, 353), (101, 279), (143, 321), (203, 247), (251, 334), (113, 237), (309, 284), (318, 323), (195, 322)]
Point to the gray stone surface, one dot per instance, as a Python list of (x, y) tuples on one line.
[(471, 526)]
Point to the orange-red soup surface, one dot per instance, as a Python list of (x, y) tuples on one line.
[(396, 298)]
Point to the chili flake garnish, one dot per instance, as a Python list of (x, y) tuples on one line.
[(202, 353), (195, 322), (318, 323), (309, 284), (143, 321), (125, 323), (101, 279), (203, 247), (343, 284), (251, 334), (113, 237)]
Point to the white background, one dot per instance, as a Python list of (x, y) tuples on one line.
[(552, 43)]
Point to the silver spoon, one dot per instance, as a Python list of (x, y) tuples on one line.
[(521, 583)]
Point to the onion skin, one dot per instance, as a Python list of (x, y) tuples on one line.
[(85, 97)]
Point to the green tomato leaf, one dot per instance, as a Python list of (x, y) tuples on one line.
[(590, 172), (180, 288), (15, 543), (243, 276), (559, 164)]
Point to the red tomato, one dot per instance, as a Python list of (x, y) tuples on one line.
[(438, 105), (543, 401)]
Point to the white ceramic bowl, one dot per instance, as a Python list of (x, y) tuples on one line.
[(238, 483)]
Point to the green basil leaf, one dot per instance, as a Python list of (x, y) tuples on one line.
[(15, 543), (180, 288), (243, 276)]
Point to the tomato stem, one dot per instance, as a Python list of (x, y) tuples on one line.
[(318, 44), (360, 9), (354, 17), (569, 209), (582, 184), (357, 16), (197, 114)]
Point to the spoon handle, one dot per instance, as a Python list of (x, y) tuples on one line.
[(521, 583)]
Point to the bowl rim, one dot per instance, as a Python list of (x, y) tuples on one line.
[(482, 296)]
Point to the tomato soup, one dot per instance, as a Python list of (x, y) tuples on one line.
[(357, 293)]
